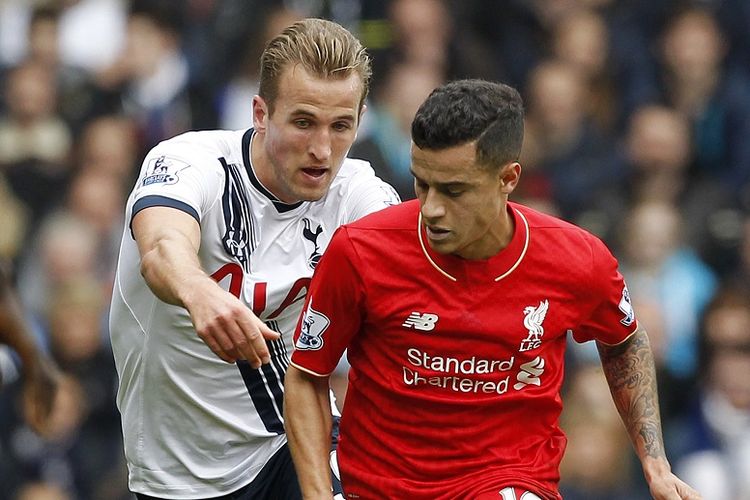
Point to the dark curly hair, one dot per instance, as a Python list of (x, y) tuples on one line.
[(458, 112)]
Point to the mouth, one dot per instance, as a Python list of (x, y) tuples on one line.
[(436, 233), (315, 172)]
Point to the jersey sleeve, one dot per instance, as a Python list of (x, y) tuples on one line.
[(368, 193), (333, 309), (174, 175), (612, 319)]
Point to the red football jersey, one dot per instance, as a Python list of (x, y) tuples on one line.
[(456, 365)]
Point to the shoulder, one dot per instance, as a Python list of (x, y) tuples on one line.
[(354, 167), (199, 146), (358, 191), (353, 174), (550, 232)]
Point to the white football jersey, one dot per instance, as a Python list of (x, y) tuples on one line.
[(195, 426)]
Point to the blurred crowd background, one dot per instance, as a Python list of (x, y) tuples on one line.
[(638, 129)]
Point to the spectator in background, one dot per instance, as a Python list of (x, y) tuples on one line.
[(50, 454), (386, 142), (35, 142), (425, 34), (40, 376), (661, 269), (151, 81), (73, 84), (575, 154), (80, 443), (598, 462), (236, 97), (581, 39), (657, 156), (65, 247), (96, 198), (715, 97), (32, 129), (714, 437), (109, 144)]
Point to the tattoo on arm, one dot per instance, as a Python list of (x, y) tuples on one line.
[(629, 368)]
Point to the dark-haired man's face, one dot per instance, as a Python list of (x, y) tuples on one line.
[(463, 203)]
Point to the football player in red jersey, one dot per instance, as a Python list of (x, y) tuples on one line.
[(455, 310)]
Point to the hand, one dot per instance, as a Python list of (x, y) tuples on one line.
[(227, 326), (664, 485), (40, 385)]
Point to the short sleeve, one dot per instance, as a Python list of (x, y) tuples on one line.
[(333, 310), (612, 319), (177, 176), (368, 193)]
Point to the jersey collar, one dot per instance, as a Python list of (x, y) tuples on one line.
[(495, 268), (282, 207)]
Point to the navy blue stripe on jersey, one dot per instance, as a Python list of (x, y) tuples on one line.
[(238, 239), (161, 201), (266, 384), (280, 205), (279, 363)]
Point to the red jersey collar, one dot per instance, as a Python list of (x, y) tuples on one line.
[(495, 268)]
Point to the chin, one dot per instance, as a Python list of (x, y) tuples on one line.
[(312, 194), (441, 247)]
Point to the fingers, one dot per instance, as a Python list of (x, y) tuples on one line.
[(236, 333), (213, 343), (255, 333), (688, 493), (676, 490)]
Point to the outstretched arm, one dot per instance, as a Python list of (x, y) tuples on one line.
[(168, 241), (40, 374), (307, 413), (629, 368)]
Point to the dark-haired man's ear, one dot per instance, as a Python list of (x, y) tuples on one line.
[(260, 114), (509, 176)]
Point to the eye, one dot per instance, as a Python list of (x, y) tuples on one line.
[(341, 126), (454, 193), (301, 123)]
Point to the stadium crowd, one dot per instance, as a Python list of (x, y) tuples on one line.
[(637, 127)]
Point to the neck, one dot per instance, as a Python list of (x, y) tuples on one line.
[(262, 165), (497, 237)]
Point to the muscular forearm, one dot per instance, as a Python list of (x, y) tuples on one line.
[(307, 413), (630, 372), (171, 268)]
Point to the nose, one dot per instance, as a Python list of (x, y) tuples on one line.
[(320, 145), (433, 207)]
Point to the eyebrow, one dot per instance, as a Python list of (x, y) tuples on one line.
[(443, 185), (307, 114)]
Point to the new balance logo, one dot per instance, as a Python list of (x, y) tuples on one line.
[(421, 321)]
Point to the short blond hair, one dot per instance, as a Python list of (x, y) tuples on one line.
[(324, 48)]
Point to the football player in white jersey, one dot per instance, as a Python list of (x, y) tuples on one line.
[(224, 231)]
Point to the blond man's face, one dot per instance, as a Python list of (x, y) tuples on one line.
[(308, 134)]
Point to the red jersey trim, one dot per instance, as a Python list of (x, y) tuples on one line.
[(426, 254), (523, 252), (307, 370), (625, 339)]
